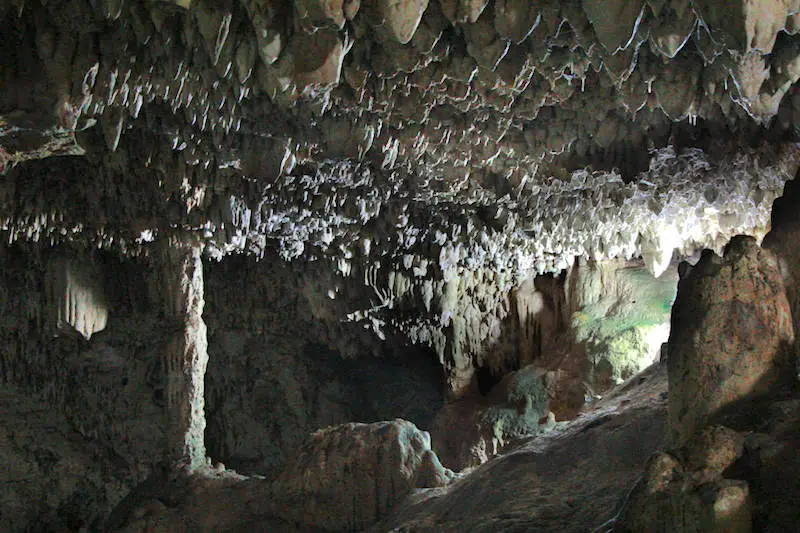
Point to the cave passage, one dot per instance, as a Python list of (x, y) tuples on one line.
[(314, 265)]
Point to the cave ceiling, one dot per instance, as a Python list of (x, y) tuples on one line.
[(408, 145), (185, 114)]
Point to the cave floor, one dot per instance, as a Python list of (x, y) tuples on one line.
[(573, 479)]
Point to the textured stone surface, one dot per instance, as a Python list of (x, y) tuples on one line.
[(76, 295), (54, 479), (620, 316), (691, 495), (347, 477), (185, 352), (111, 388), (731, 334), (784, 240)]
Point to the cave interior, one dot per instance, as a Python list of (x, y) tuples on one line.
[(419, 266)]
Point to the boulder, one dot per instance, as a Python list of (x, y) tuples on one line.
[(730, 336), (346, 477), (685, 491)]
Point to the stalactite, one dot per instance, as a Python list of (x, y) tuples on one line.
[(75, 296)]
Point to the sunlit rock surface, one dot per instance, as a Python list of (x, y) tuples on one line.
[(731, 334)]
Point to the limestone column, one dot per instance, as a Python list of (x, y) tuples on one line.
[(186, 350)]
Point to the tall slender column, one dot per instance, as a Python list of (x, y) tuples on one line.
[(186, 350)]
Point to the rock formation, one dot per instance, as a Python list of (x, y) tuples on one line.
[(227, 224), (186, 352), (347, 477), (337, 132), (731, 367), (731, 334), (76, 298), (783, 241), (692, 495), (343, 478)]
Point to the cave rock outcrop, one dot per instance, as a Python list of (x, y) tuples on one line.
[(472, 430), (686, 491), (344, 478), (731, 332), (784, 240), (76, 297), (347, 477)]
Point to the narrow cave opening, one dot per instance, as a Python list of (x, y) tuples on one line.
[(623, 326)]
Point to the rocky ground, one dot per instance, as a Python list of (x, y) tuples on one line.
[(577, 477), (571, 479)]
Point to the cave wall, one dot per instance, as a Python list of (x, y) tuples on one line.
[(97, 403), (784, 240), (281, 365)]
